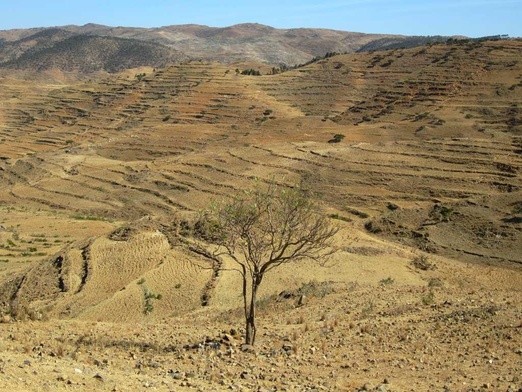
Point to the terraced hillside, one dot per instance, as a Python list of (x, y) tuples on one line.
[(430, 159), (415, 154)]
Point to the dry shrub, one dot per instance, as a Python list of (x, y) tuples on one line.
[(435, 282), (422, 262)]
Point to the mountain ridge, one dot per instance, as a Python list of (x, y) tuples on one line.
[(230, 44)]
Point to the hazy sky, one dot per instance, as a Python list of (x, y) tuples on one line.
[(416, 17)]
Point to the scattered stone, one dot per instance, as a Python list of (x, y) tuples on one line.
[(392, 206), (5, 319), (100, 377), (228, 339), (247, 348), (154, 364), (176, 374), (245, 376), (365, 387), (288, 347)]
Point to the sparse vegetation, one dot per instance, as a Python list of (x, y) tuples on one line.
[(337, 138), (387, 281), (148, 297), (251, 72), (263, 229), (452, 189), (423, 263), (435, 282), (89, 217), (428, 298)]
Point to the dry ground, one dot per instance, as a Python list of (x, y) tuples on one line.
[(94, 175)]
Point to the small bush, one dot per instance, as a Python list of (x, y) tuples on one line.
[(428, 298), (388, 281), (149, 297), (368, 309), (435, 282), (422, 262), (373, 227), (441, 213), (339, 217), (251, 72), (337, 138)]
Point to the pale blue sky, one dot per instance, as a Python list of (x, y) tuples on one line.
[(413, 17)]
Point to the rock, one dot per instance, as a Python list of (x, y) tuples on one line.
[(392, 206), (99, 377), (176, 374), (286, 294), (213, 345), (227, 339), (288, 347), (302, 300), (154, 364), (247, 348), (78, 371), (5, 319), (245, 376)]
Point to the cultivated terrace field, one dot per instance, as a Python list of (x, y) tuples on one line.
[(416, 154)]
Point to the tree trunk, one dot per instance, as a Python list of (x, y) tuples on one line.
[(250, 318)]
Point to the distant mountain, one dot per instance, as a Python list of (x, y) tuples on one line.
[(87, 54), (95, 47), (38, 40)]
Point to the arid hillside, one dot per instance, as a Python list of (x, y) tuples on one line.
[(414, 153), (84, 54), (91, 48)]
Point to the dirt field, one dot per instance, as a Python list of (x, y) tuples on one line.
[(425, 291)]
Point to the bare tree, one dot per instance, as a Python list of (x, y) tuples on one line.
[(264, 228)]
